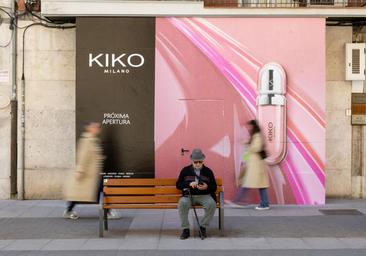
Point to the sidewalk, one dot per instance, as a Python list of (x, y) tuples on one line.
[(36, 227)]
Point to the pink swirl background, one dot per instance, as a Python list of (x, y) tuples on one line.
[(214, 62)]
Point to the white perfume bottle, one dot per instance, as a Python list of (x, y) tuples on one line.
[(271, 110)]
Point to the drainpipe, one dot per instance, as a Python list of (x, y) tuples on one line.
[(14, 111), (21, 155), (21, 138)]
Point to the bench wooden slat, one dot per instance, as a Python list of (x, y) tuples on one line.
[(145, 182), (141, 191), (139, 182), (141, 199), (146, 206), (145, 191)]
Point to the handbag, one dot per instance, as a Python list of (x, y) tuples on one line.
[(263, 154)]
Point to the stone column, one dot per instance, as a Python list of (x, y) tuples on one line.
[(338, 127), (5, 96)]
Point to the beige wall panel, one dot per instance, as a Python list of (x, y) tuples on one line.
[(338, 128), (49, 154), (50, 108), (5, 96), (49, 66), (51, 95), (337, 37), (4, 188), (45, 183), (53, 125), (338, 183), (338, 125), (338, 96), (335, 62)]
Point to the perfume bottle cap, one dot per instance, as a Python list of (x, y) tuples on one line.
[(271, 99), (272, 79)]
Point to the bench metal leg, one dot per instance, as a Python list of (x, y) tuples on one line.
[(221, 219), (101, 214), (221, 213), (105, 219)]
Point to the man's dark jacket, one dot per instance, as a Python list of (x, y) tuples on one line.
[(188, 175)]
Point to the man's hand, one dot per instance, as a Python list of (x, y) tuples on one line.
[(193, 184), (202, 186)]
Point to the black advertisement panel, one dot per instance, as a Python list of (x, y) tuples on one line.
[(115, 86)]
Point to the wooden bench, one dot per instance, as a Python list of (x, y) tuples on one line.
[(146, 194)]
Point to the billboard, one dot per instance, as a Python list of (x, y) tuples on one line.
[(205, 78), (115, 86)]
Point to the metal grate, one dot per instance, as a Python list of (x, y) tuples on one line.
[(356, 61), (340, 212)]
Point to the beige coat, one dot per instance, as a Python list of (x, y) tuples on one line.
[(82, 184), (255, 175)]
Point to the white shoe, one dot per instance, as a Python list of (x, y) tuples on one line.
[(70, 215), (113, 215), (261, 208)]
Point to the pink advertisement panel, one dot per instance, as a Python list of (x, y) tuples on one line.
[(212, 75)]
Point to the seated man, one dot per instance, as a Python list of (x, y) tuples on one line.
[(200, 181)]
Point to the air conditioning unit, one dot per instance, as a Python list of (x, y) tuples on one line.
[(355, 62)]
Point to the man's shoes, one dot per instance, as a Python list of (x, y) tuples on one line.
[(70, 215), (185, 234), (262, 208), (203, 232)]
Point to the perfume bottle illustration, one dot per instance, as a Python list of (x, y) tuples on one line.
[(271, 110)]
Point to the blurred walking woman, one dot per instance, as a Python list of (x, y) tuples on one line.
[(83, 183), (255, 175)]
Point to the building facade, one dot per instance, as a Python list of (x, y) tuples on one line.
[(46, 149)]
